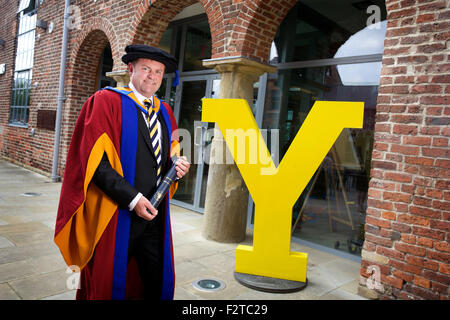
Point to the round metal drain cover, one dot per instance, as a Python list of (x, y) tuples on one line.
[(268, 284), (31, 194), (208, 285)]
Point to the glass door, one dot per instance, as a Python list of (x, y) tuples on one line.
[(188, 111)]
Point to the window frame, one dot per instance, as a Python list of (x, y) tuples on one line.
[(19, 112)]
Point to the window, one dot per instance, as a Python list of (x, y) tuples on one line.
[(106, 65), (20, 96), (326, 50), (26, 6)]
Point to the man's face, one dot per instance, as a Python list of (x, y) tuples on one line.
[(146, 76)]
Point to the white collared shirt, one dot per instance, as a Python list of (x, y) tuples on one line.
[(141, 99)]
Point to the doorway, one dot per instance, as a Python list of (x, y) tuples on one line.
[(193, 137)]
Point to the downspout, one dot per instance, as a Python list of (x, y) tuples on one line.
[(61, 98)]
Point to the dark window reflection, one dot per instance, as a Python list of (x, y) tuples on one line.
[(197, 47), (317, 29), (105, 67)]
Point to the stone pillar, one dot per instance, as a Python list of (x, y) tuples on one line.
[(225, 217), (122, 77)]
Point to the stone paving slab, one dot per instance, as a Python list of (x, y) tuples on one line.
[(30, 267), (30, 238), (7, 293), (23, 228), (41, 286), (15, 253), (5, 243)]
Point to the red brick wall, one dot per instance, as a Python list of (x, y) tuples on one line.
[(19, 145), (407, 224), (8, 30), (47, 54), (246, 27)]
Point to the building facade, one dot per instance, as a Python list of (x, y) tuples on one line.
[(382, 194)]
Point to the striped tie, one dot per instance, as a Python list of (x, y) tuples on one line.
[(154, 136)]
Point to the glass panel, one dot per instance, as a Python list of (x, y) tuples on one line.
[(190, 113), (27, 6), (361, 74), (21, 88), (198, 46), (21, 115), (26, 23), (25, 42), (329, 29), (179, 33), (11, 113), (162, 89), (20, 97), (331, 209), (166, 40), (21, 50), (23, 5), (171, 98), (206, 140), (107, 66), (27, 114), (162, 93)]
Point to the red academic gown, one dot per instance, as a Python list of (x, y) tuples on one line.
[(91, 230)]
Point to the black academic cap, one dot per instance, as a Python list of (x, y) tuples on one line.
[(136, 51)]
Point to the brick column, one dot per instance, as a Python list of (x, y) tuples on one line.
[(407, 225)]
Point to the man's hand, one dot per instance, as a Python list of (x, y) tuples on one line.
[(141, 209), (182, 166)]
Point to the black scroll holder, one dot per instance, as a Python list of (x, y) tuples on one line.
[(164, 186)]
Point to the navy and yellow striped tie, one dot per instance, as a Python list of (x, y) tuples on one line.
[(154, 136)]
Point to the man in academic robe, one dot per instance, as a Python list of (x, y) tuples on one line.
[(121, 148)]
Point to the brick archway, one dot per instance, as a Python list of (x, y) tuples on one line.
[(248, 28), (94, 24), (266, 17), (84, 59), (154, 22), (82, 73)]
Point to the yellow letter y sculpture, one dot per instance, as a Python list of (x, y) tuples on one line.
[(276, 189)]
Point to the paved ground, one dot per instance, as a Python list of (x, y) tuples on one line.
[(31, 266)]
